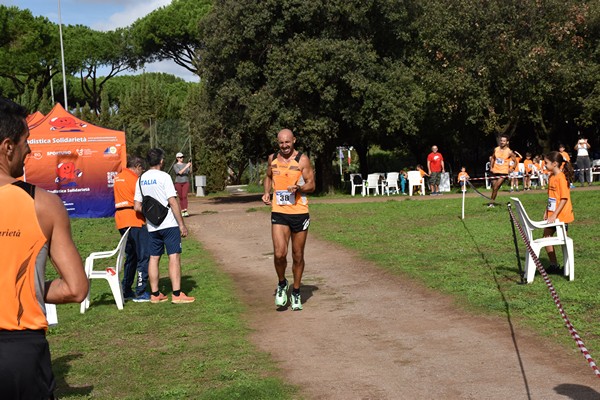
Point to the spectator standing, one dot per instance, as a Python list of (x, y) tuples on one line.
[(403, 180), (423, 175), (35, 225), (500, 165), (168, 234), (584, 165), (559, 200), (182, 182), (462, 179), (528, 171), (136, 248), (435, 168), (514, 173)]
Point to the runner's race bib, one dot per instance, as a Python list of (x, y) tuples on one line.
[(499, 161), (285, 198), (551, 204)]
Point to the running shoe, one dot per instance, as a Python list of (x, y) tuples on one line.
[(281, 297), (491, 205), (182, 299), (142, 298), (296, 302), (158, 299), (128, 295)]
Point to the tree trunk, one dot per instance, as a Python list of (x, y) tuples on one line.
[(324, 178)]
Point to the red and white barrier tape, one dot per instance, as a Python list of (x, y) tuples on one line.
[(492, 177), (555, 297)]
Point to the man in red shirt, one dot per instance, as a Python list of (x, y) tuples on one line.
[(136, 250), (435, 166)]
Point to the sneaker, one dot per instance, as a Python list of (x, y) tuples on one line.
[(281, 297), (491, 205), (553, 269), (185, 213), (182, 299), (296, 302), (128, 296), (158, 299), (142, 298)]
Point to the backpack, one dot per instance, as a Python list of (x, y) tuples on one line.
[(357, 180), (152, 209)]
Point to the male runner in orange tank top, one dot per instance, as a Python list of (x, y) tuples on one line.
[(503, 162), (35, 225), (290, 175)]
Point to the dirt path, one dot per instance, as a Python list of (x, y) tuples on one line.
[(366, 334)]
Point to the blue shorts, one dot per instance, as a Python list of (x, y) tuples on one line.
[(169, 238)]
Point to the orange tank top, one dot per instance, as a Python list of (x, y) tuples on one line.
[(23, 248), (501, 160), (284, 175)]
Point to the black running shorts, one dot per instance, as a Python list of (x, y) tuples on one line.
[(25, 367), (296, 222)]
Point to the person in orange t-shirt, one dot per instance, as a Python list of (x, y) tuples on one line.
[(35, 227), (528, 167), (136, 250), (463, 177), (559, 200)]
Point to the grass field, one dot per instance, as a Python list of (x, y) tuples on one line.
[(159, 351), (203, 352), (474, 259)]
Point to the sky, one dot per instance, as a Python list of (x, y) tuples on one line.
[(102, 15)]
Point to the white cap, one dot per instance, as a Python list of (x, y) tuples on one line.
[(178, 155)]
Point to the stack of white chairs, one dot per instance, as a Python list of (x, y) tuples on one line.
[(391, 182), (373, 183)]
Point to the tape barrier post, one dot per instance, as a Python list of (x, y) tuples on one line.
[(556, 299), (512, 225), (464, 190)]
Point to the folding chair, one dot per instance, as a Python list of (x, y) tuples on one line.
[(111, 274), (561, 239)]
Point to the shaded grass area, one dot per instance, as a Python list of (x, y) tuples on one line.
[(159, 351), (474, 259)]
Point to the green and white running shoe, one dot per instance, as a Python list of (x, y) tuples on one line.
[(281, 297), (296, 302)]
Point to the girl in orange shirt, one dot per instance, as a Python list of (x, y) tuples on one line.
[(559, 199)]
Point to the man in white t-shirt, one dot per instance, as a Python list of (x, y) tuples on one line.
[(168, 234)]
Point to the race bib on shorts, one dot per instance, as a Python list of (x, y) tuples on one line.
[(551, 204), (285, 198)]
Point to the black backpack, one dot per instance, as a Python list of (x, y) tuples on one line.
[(357, 180), (152, 209)]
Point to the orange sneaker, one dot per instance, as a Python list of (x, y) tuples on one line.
[(182, 298), (158, 299)]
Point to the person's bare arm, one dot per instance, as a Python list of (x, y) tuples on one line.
[(137, 206), (268, 183), (308, 175), (72, 284), (174, 204)]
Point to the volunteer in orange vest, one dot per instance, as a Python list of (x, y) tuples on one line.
[(500, 165), (290, 176), (136, 249), (35, 225)]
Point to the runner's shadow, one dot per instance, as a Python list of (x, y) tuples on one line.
[(306, 291), (577, 392), (61, 367)]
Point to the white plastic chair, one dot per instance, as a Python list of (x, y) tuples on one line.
[(391, 181), (354, 179), (111, 274), (561, 239), (373, 183), (415, 179)]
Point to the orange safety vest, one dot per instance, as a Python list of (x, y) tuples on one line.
[(23, 248), (284, 175), (124, 188)]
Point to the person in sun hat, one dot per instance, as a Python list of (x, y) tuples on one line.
[(182, 182)]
